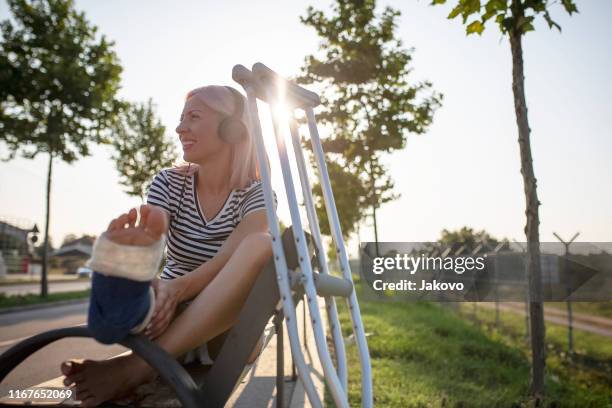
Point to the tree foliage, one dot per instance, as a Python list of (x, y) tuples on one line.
[(508, 15), (57, 81), (467, 237), (141, 147), (368, 101), (349, 195)]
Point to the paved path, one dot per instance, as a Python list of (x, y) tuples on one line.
[(581, 321), (44, 364)]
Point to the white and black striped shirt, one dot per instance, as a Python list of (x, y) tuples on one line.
[(193, 240)]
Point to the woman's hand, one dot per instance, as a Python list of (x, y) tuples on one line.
[(168, 294)]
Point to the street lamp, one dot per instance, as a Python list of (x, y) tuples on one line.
[(33, 233)]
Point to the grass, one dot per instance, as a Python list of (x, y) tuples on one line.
[(586, 345), (425, 355), (589, 367), (31, 299)]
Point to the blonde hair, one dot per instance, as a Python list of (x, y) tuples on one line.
[(244, 163)]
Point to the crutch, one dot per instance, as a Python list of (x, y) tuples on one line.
[(264, 84)]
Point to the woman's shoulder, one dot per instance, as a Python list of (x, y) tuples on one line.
[(251, 187), (173, 175)]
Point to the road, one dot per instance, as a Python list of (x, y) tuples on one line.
[(54, 287), (44, 364)]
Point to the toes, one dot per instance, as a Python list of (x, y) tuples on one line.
[(71, 367), (156, 222), (123, 220), (66, 367), (116, 224), (110, 225), (132, 216), (144, 215), (76, 378)]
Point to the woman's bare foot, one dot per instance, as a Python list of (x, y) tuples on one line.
[(153, 222), (99, 381)]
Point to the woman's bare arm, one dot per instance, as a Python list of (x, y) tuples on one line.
[(195, 281)]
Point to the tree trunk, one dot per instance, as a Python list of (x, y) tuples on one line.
[(531, 228), (43, 282), (374, 208)]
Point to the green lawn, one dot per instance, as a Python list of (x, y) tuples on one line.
[(426, 355), (22, 300)]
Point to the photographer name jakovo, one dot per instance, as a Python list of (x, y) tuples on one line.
[(425, 286)]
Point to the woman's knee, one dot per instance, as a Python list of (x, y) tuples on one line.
[(258, 245)]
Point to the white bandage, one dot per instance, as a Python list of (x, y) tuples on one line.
[(135, 262)]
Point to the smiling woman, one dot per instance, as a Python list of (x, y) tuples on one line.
[(217, 243)]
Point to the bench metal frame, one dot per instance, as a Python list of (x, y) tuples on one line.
[(229, 366)]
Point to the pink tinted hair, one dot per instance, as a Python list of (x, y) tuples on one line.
[(244, 168)]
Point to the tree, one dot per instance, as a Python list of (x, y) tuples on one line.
[(514, 19), (467, 237), (57, 86), (69, 238), (368, 101), (349, 196), (141, 147)]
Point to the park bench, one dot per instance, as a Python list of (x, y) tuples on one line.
[(194, 385)]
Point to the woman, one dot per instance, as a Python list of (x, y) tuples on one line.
[(213, 213)]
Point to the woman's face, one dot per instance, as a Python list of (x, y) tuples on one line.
[(197, 131)]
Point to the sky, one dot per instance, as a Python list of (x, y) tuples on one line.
[(464, 171)]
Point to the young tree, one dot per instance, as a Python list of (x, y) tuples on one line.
[(514, 19), (142, 148), (368, 101), (57, 86)]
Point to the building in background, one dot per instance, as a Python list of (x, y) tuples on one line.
[(72, 255)]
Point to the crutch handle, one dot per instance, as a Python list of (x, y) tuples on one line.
[(294, 94), (245, 77), (242, 75)]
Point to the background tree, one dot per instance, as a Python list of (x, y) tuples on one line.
[(141, 147), (350, 197), (514, 19), (467, 237), (368, 101), (69, 238), (57, 86)]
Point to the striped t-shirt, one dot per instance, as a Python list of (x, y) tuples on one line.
[(193, 240)]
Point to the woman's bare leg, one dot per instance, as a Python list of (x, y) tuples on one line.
[(210, 313), (216, 308)]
